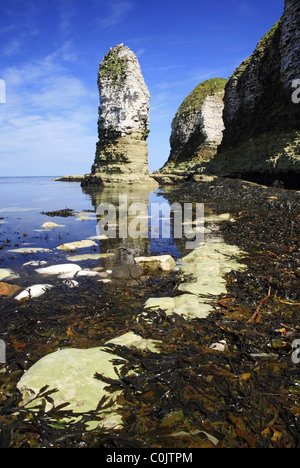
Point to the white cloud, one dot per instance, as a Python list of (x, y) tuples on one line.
[(11, 47), (118, 11), (49, 122)]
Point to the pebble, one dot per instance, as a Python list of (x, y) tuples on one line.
[(219, 346)]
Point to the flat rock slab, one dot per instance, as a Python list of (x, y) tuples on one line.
[(72, 373), (8, 274), (29, 250), (59, 269), (34, 291), (51, 225), (82, 258), (155, 263), (70, 247), (37, 263), (203, 272)]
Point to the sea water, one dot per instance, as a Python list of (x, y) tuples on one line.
[(25, 200)]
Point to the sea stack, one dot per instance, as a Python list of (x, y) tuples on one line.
[(261, 141), (123, 125), (196, 130)]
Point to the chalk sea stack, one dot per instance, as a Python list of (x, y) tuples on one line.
[(123, 125), (261, 140), (196, 130)]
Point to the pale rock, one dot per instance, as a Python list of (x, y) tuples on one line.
[(51, 225), (72, 373), (197, 129), (123, 124), (71, 283), (162, 262), (70, 247), (35, 263), (34, 291), (202, 272), (105, 281), (88, 273), (29, 250), (82, 258), (59, 269), (8, 274), (221, 346)]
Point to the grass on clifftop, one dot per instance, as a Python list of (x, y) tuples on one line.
[(261, 47), (113, 65), (204, 89)]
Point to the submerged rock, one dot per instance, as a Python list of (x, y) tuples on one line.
[(51, 225), (35, 263), (126, 272), (29, 250), (59, 269), (8, 274), (82, 258), (76, 245), (8, 289)]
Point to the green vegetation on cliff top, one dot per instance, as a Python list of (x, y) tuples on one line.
[(195, 99), (113, 65), (261, 47)]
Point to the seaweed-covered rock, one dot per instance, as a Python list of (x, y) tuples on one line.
[(91, 181)]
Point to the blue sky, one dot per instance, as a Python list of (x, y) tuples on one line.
[(50, 52)]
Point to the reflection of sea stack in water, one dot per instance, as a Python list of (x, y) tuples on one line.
[(123, 125)]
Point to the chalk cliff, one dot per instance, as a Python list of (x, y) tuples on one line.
[(261, 141), (123, 125), (196, 129)]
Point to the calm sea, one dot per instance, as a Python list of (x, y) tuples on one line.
[(23, 200)]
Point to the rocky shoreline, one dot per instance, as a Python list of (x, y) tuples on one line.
[(178, 387)]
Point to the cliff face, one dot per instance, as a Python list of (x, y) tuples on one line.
[(261, 141), (197, 128), (123, 125)]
